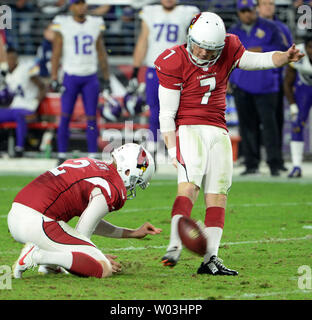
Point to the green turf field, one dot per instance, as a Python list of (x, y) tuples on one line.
[(266, 238)]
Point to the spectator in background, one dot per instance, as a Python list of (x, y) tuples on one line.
[(128, 29), (3, 56), (44, 53), (256, 92), (298, 3), (99, 10), (78, 40), (22, 79), (298, 90), (163, 26), (22, 20), (224, 4), (266, 10)]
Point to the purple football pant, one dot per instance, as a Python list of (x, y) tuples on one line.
[(152, 85), (18, 116), (303, 97), (89, 88)]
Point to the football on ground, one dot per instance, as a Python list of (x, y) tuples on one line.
[(192, 236)]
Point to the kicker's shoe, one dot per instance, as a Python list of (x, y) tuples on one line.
[(171, 258), (51, 269), (295, 173), (215, 267), (24, 261)]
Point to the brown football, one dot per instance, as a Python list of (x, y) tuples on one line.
[(192, 236)]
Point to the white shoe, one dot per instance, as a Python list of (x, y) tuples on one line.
[(51, 269), (172, 256), (24, 261)]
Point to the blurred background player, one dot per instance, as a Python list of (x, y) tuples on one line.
[(163, 25), (86, 188), (44, 54), (266, 9), (24, 83), (78, 41), (3, 57), (256, 93), (192, 88), (298, 90)]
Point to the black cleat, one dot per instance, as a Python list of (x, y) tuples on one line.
[(171, 258), (215, 267), (274, 172), (250, 171)]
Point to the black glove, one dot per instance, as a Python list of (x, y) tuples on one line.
[(107, 90), (56, 86), (4, 69), (133, 83)]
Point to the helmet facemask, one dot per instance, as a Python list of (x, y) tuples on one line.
[(200, 62), (135, 166)]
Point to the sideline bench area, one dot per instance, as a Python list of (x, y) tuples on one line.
[(48, 115)]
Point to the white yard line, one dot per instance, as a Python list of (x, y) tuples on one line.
[(260, 295), (285, 204), (268, 294), (132, 248)]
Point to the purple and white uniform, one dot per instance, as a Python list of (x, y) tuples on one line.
[(303, 93), (80, 64), (166, 29), (25, 100)]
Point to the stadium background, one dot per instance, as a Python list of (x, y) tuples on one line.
[(122, 29)]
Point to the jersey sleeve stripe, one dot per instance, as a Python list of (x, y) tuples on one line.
[(100, 182)]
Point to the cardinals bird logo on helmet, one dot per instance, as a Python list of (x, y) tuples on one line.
[(135, 166)]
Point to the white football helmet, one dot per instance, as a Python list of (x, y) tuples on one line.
[(207, 30), (135, 166)]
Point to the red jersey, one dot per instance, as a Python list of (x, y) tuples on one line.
[(203, 90), (63, 192)]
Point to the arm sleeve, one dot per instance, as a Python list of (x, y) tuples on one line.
[(91, 219), (169, 101), (256, 60)]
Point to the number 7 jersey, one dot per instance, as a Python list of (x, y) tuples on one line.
[(203, 90)]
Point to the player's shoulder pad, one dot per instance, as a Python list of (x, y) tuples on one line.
[(98, 22), (149, 11), (170, 61), (58, 22), (190, 9), (232, 41), (29, 68), (231, 38), (59, 19)]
